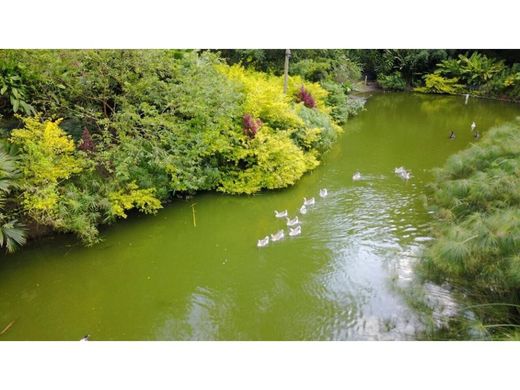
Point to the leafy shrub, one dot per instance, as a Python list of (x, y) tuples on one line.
[(47, 156), (264, 97), (131, 197), (312, 69), (392, 82), (152, 123), (12, 233), (314, 119), (435, 83), (274, 161)]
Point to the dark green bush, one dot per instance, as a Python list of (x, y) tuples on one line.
[(392, 82)]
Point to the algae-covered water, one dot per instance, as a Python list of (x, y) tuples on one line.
[(161, 278)]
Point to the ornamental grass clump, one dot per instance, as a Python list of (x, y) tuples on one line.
[(476, 200)]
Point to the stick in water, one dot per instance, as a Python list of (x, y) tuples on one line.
[(193, 213), (7, 327)]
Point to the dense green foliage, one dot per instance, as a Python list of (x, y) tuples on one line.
[(393, 67), (12, 233), (434, 83), (335, 70), (476, 74), (476, 199), (392, 82), (118, 130)]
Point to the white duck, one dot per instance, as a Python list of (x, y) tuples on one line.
[(399, 171), (277, 236), (473, 125), (324, 192), (356, 176), (308, 202), (292, 222), (303, 210), (296, 231), (263, 242), (406, 176), (280, 214)]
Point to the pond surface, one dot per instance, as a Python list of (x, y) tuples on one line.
[(161, 278)]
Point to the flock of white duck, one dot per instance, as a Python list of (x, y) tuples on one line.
[(293, 224), (295, 229)]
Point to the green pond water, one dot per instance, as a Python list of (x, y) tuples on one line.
[(160, 278)]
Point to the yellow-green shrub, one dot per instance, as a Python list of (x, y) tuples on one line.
[(317, 91), (264, 97), (278, 163), (47, 157), (132, 196), (435, 83)]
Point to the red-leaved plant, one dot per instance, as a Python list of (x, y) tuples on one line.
[(305, 97), (251, 125), (87, 143)]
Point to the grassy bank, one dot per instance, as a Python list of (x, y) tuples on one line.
[(476, 199)]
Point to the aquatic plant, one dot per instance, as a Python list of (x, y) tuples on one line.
[(476, 199)]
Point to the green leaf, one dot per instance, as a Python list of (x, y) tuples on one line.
[(4, 88), (16, 104), (15, 92)]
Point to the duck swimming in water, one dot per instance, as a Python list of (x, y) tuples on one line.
[(85, 338), (263, 242), (406, 176), (296, 231), (356, 176), (303, 210), (280, 214), (324, 192), (292, 222), (277, 236), (399, 171), (452, 135), (308, 202)]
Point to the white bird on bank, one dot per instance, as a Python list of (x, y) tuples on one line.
[(277, 236), (280, 214), (356, 176), (473, 125), (296, 231), (303, 210), (308, 202), (263, 242), (292, 222), (324, 192)]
